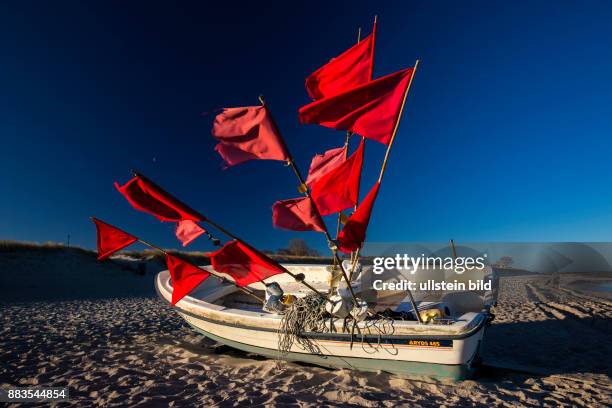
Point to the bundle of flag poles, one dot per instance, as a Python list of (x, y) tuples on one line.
[(345, 97)]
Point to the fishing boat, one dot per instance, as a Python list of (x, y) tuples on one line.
[(448, 349), (323, 314)]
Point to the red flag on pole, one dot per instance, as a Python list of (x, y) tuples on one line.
[(348, 70), (185, 277), (371, 110), (244, 263), (323, 163), (297, 214), (111, 239), (187, 231), (144, 195), (248, 133), (353, 234), (339, 188)]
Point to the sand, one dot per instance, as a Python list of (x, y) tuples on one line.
[(549, 345)]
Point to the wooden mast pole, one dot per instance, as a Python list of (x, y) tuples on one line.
[(399, 118)]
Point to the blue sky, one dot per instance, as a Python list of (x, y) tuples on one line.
[(506, 134)]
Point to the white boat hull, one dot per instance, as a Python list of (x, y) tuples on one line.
[(431, 350)]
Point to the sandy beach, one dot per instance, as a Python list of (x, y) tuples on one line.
[(549, 345)]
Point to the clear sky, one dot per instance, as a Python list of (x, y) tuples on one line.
[(506, 135)]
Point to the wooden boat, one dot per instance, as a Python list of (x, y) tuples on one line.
[(448, 348)]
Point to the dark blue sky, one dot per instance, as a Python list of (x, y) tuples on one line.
[(506, 134)]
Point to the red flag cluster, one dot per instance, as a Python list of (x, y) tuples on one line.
[(144, 195), (185, 276), (338, 189), (335, 187), (346, 97), (371, 110)]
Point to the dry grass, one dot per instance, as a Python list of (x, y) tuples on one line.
[(22, 246)]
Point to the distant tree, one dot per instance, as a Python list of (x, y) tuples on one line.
[(504, 262), (298, 247)]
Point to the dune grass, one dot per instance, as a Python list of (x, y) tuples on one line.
[(12, 246)]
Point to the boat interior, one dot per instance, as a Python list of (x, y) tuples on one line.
[(453, 309)]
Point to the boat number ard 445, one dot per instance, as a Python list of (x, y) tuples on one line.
[(431, 343)]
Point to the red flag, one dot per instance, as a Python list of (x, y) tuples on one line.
[(111, 239), (243, 263), (371, 110), (353, 234), (144, 195), (187, 231), (348, 70), (323, 163), (339, 189), (297, 214), (185, 277), (248, 133)]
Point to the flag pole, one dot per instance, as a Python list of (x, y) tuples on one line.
[(298, 277), (332, 285), (355, 255), (223, 278), (373, 45), (349, 134), (399, 118), (346, 145), (330, 241), (384, 167), (303, 187)]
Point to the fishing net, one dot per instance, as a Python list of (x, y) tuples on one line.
[(308, 314), (305, 314)]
